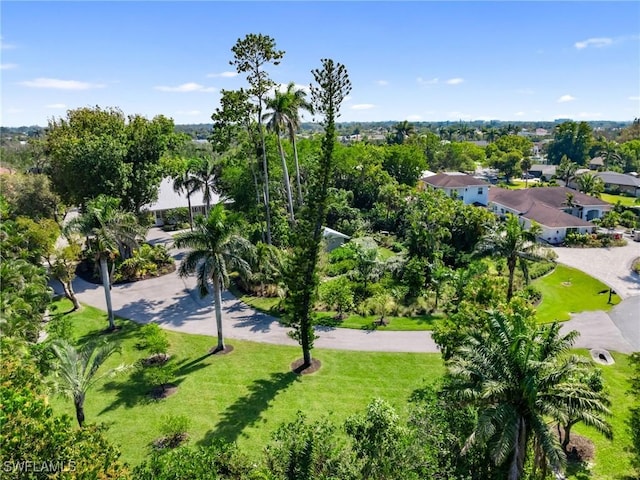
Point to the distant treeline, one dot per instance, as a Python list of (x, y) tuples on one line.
[(201, 131)]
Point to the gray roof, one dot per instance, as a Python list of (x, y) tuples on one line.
[(453, 180), (544, 169), (556, 197), (168, 198), (614, 178)]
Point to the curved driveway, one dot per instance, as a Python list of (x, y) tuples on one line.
[(174, 303)]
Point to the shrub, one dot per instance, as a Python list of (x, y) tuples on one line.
[(337, 294), (159, 377), (538, 269), (174, 430), (154, 339), (176, 216)]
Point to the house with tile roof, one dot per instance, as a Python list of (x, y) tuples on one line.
[(464, 187), (558, 210)]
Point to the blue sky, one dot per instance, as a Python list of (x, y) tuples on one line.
[(417, 61)]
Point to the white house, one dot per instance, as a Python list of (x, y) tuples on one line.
[(461, 186), (558, 210), (169, 199)]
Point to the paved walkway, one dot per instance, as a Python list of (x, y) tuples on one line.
[(174, 303)]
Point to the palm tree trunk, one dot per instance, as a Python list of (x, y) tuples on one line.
[(217, 298), (78, 402), (519, 453), (265, 172), (511, 264), (190, 211), (285, 176), (106, 284), (295, 157)]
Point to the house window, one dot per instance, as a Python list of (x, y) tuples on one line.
[(479, 190)]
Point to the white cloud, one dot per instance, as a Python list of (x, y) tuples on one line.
[(60, 84), (222, 75), (422, 81), (635, 99), (566, 98), (414, 118), (58, 106), (187, 87), (382, 83), (347, 98), (597, 42), (455, 81), (8, 66), (362, 106), (188, 112), (519, 114)]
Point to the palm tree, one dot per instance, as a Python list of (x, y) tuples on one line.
[(110, 232), (277, 120), (590, 184), (216, 250), (186, 183), (566, 170), (203, 179), (402, 131), (518, 375), (76, 369), (610, 155), (297, 102), (512, 241)]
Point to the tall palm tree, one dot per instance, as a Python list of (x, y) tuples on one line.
[(186, 183), (216, 250), (297, 102), (110, 232), (518, 375), (276, 121), (76, 369), (610, 155), (590, 184), (203, 179), (512, 241)]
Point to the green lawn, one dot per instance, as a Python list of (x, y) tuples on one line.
[(613, 199), (242, 396), (612, 458), (245, 395), (568, 290)]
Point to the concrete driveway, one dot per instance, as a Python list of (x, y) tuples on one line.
[(174, 303), (611, 266)]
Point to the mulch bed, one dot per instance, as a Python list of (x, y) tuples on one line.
[(297, 366), (161, 393), (580, 449), (172, 441), (155, 360), (227, 349), (87, 272)]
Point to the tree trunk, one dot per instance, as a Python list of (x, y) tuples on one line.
[(295, 157), (285, 176), (190, 211), (78, 402), (104, 270), (305, 343), (520, 450), (70, 294), (217, 298), (566, 437), (265, 169), (511, 264)]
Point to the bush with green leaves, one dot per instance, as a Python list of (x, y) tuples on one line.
[(177, 216), (154, 339), (337, 294), (160, 377), (148, 260), (174, 429)]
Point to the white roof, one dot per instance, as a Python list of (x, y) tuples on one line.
[(329, 232), (168, 198)]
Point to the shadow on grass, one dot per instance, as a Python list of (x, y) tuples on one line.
[(579, 470), (133, 391), (247, 410), (125, 329)]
